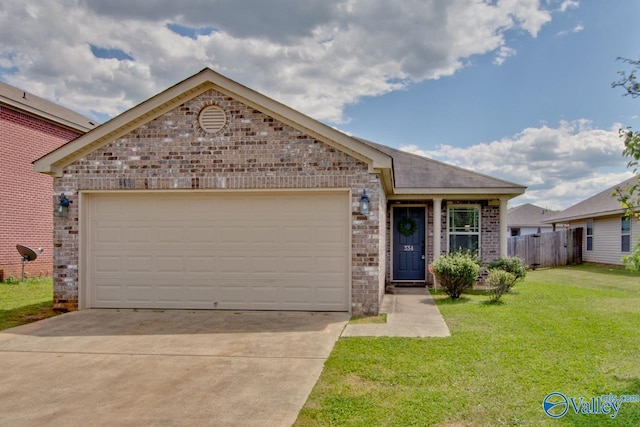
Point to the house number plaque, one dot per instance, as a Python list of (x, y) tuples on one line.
[(408, 248)]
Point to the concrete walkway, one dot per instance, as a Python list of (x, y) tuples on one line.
[(411, 312)]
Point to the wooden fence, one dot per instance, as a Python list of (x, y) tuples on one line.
[(557, 248)]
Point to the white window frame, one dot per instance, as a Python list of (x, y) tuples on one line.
[(591, 224), (478, 233), (625, 233)]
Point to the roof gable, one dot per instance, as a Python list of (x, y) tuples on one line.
[(602, 204), (54, 162)]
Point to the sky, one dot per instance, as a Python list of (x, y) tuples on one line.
[(515, 89)]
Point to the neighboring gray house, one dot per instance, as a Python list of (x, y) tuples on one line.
[(211, 195), (528, 219), (608, 234)]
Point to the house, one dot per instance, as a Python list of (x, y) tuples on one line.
[(30, 127), (527, 219), (609, 235), (212, 195)]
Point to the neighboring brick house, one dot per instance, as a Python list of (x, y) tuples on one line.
[(211, 195), (29, 128)]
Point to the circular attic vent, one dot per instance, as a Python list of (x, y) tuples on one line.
[(212, 119)]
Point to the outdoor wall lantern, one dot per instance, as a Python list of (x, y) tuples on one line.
[(364, 203), (61, 208)]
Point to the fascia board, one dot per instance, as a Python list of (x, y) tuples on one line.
[(512, 191), (44, 115), (577, 217)]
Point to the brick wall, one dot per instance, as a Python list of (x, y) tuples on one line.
[(253, 151), (26, 215), (490, 237)]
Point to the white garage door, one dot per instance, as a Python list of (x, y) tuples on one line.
[(254, 251)]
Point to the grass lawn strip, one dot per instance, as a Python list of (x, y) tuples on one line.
[(369, 320), (25, 302), (572, 330)]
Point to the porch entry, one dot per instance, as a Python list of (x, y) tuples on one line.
[(409, 243)]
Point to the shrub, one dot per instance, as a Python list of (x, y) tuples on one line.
[(498, 283), (513, 265), (456, 272)]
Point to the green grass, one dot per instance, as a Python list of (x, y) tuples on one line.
[(25, 302), (366, 320), (572, 330)]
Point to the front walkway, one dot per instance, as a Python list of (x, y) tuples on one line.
[(411, 312)]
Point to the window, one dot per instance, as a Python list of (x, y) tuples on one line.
[(625, 232), (463, 226), (515, 232), (590, 235)]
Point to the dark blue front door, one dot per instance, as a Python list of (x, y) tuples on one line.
[(408, 243)]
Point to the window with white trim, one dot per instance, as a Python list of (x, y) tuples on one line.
[(590, 235), (463, 228), (625, 233)]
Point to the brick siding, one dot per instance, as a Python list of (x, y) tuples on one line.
[(254, 151), (27, 208)]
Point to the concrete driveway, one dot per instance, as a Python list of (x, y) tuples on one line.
[(173, 367)]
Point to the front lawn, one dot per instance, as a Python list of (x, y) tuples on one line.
[(25, 302), (572, 330)]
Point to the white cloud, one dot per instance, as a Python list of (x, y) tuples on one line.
[(569, 4), (560, 166), (316, 56), (502, 54), (577, 29)]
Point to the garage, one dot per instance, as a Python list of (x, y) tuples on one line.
[(258, 250)]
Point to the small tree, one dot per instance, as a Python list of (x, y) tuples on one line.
[(456, 272)]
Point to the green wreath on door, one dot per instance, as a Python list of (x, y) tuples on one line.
[(407, 226)]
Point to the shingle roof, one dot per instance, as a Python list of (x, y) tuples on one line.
[(528, 215), (18, 99), (414, 171), (602, 204)]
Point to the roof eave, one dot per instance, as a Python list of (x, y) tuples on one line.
[(10, 103), (583, 216), (457, 193)]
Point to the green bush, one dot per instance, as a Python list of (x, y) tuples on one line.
[(456, 272), (513, 265), (498, 283)]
